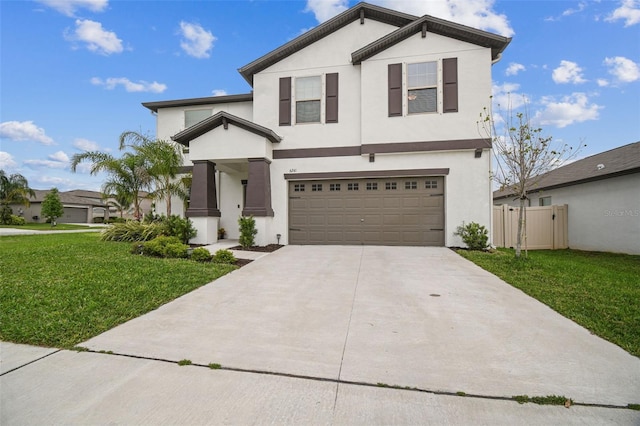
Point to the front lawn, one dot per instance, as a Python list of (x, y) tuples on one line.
[(600, 291), (47, 227), (58, 290)]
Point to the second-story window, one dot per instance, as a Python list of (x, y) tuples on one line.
[(308, 99), (422, 87), (194, 116)]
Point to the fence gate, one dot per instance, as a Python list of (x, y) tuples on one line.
[(546, 227)]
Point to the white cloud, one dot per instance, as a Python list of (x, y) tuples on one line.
[(629, 11), (474, 13), (623, 69), (85, 145), (568, 12), (514, 68), (326, 9), (602, 82), (568, 72), (6, 161), (219, 92), (69, 7), (96, 38), (24, 131), (57, 160), (197, 41), (130, 86), (506, 97), (574, 108)]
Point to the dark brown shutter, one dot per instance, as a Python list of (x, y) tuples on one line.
[(450, 89), (332, 98), (395, 90), (285, 101)]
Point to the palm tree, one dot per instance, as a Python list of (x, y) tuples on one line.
[(128, 174), (14, 189), (163, 164), (118, 196)]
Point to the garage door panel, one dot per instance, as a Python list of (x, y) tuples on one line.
[(404, 212)]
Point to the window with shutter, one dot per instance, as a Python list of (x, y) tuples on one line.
[(422, 87)]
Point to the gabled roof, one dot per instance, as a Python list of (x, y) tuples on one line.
[(434, 25), (359, 11), (223, 118), (211, 100), (616, 162)]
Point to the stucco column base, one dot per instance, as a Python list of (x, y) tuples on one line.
[(263, 225), (207, 228)]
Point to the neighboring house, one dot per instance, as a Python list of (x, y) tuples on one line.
[(77, 209), (603, 195), (360, 131)]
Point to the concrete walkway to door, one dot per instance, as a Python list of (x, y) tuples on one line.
[(336, 319)]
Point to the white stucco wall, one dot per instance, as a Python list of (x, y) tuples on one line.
[(171, 120), (474, 91), (603, 215)]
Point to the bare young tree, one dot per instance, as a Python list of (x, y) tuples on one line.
[(523, 154)]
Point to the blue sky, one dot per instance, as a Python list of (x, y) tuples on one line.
[(73, 73)]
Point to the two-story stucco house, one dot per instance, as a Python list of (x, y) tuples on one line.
[(360, 131)]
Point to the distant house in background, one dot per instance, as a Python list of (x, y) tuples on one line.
[(77, 209), (603, 195)]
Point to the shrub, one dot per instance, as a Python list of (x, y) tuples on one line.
[(131, 230), (474, 235), (180, 227), (116, 220), (201, 254), (17, 220), (164, 246), (5, 215), (224, 256), (248, 231), (98, 219), (176, 250)]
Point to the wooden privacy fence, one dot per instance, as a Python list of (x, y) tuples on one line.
[(546, 227)]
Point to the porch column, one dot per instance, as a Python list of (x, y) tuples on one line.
[(203, 202), (203, 205), (258, 189)]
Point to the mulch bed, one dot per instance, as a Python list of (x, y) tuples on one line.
[(264, 249)]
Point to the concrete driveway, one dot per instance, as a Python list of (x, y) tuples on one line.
[(314, 334)]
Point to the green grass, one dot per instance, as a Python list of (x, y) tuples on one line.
[(600, 291), (47, 227), (58, 290)]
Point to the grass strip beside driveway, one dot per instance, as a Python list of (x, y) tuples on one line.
[(599, 291), (58, 290)]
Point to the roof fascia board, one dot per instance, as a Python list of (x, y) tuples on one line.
[(211, 100), (216, 120), (377, 13), (496, 42)]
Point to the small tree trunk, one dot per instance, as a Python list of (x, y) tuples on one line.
[(520, 228)]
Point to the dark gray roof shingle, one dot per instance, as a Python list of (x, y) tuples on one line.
[(616, 162)]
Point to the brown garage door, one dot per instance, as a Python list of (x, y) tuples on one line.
[(389, 211)]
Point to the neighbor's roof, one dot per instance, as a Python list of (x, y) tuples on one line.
[(223, 118), (210, 100), (408, 25), (616, 162), (66, 198)]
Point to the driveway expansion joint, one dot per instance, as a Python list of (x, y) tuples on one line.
[(339, 381), (30, 362)]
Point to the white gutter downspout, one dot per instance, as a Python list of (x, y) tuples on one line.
[(497, 59)]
